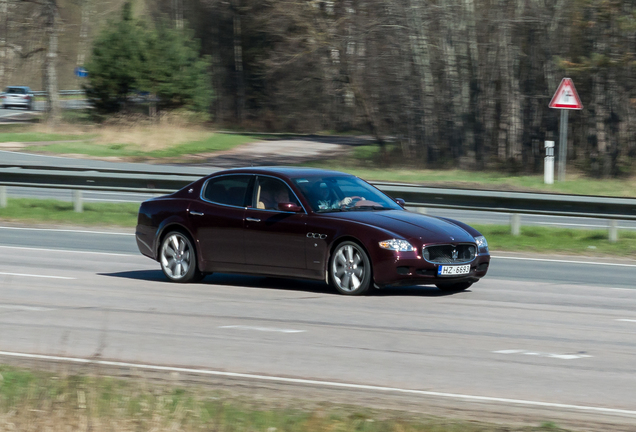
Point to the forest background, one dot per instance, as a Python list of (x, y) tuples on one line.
[(443, 83)]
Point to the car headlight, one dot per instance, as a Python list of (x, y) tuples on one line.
[(397, 245), (482, 244)]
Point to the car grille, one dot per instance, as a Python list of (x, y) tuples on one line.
[(449, 254)]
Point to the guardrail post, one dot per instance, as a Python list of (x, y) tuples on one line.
[(613, 231), (77, 201), (515, 224), (3, 196)]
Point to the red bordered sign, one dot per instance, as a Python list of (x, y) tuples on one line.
[(566, 96)]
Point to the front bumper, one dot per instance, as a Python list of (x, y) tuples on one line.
[(16, 102), (409, 268)]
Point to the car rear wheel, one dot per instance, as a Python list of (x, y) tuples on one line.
[(178, 258), (461, 286), (350, 269)]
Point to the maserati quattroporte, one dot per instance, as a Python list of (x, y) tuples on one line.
[(306, 223)]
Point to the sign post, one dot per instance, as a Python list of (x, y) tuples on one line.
[(565, 98), (548, 174)]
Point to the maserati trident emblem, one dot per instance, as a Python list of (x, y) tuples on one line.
[(455, 254)]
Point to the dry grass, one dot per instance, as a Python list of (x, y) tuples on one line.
[(147, 135), (58, 402)]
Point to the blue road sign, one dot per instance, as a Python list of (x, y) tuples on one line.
[(81, 72)]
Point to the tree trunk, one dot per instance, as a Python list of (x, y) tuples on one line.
[(4, 41), (50, 63), (238, 64), (83, 46), (419, 29)]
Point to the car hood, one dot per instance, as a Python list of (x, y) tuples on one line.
[(411, 226)]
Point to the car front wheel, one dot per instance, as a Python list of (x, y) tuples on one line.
[(178, 258), (350, 269)]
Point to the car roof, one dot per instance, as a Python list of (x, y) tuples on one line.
[(22, 87), (284, 171)]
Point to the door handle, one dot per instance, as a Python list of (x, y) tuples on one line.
[(193, 213), (249, 219)]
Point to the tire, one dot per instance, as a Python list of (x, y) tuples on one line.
[(350, 269), (456, 287), (178, 258)]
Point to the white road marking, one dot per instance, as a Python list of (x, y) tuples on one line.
[(564, 261), (626, 320), (624, 289), (25, 308), (65, 230), (265, 329), (68, 251), (547, 355), (326, 383), (37, 276)]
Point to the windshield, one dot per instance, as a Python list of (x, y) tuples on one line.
[(343, 193), (15, 90)]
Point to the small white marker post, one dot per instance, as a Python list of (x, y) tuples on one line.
[(565, 98), (548, 174)]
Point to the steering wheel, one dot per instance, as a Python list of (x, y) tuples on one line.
[(351, 201)]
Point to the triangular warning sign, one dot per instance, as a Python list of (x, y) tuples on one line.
[(566, 96)]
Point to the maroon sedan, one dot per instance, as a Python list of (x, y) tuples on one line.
[(306, 223)]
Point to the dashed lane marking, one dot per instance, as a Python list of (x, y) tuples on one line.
[(25, 308), (69, 251), (65, 230), (264, 329), (36, 276), (540, 354)]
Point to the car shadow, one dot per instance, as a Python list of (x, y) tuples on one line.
[(284, 284)]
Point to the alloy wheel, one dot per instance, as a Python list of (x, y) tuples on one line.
[(178, 257), (350, 269)]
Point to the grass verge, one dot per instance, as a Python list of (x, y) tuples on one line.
[(166, 140), (532, 238), (207, 144), (558, 240), (34, 401), (47, 211)]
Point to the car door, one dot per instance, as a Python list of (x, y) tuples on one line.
[(274, 239), (217, 220)]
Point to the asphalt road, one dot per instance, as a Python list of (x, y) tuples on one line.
[(547, 331)]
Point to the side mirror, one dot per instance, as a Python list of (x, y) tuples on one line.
[(289, 207), (400, 202)]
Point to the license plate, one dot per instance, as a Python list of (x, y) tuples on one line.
[(444, 270)]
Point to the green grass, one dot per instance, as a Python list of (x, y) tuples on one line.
[(21, 133), (45, 211), (32, 400), (559, 240), (213, 143)]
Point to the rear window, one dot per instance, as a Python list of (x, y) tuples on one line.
[(15, 90), (228, 190)]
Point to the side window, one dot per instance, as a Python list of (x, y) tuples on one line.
[(269, 192), (228, 190)]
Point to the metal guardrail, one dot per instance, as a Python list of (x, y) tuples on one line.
[(61, 92), (158, 181)]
